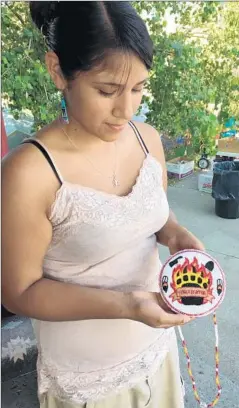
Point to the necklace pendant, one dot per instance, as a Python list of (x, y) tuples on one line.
[(115, 182)]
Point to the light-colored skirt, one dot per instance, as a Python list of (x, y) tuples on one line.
[(163, 390)]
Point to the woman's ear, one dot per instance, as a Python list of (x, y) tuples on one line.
[(54, 69)]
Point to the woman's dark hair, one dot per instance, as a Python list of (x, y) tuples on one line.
[(83, 33)]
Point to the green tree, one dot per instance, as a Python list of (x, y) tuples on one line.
[(26, 84), (195, 68)]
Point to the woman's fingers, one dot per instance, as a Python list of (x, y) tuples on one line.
[(172, 319), (150, 308), (169, 317)]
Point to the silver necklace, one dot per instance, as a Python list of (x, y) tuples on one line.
[(114, 179)]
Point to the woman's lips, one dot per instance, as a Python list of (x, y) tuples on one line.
[(116, 127)]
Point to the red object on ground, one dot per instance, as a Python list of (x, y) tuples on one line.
[(4, 144)]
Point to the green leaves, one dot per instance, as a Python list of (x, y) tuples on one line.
[(194, 69), (25, 81)]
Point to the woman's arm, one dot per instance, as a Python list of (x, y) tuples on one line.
[(170, 229), (27, 190), (173, 235), (26, 235), (176, 237)]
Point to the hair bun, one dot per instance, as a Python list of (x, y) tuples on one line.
[(43, 12)]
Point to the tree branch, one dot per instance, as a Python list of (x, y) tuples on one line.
[(16, 14)]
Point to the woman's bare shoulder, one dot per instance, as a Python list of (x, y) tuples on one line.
[(22, 161), (151, 138), (25, 171), (26, 159)]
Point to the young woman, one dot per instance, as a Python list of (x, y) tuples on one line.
[(84, 205)]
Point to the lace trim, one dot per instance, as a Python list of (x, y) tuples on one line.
[(76, 205), (149, 161), (87, 200), (82, 387)]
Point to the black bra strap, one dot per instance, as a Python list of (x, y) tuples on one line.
[(139, 137), (46, 155)]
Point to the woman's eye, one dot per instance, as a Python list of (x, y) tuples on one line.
[(137, 90), (106, 93)]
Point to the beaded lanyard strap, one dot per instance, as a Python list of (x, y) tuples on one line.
[(189, 367)]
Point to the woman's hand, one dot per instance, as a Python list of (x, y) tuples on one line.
[(150, 309), (176, 237), (183, 239)]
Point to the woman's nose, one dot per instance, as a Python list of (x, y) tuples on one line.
[(123, 108)]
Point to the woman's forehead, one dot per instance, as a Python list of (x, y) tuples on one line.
[(119, 69)]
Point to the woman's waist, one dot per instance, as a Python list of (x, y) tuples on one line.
[(81, 383), (95, 344), (138, 267)]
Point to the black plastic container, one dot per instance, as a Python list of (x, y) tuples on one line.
[(225, 189), (227, 209)]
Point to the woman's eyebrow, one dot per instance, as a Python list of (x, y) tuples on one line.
[(119, 85)]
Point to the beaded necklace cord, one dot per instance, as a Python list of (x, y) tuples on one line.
[(195, 391)]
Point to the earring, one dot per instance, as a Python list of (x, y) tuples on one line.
[(64, 113)]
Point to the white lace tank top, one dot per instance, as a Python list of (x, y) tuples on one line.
[(103, 241)]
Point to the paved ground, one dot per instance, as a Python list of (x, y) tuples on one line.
[(194, 210)]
